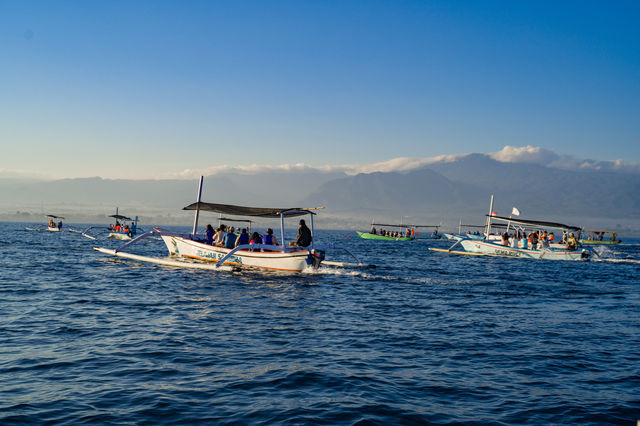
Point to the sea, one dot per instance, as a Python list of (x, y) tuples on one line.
[(421, 338)]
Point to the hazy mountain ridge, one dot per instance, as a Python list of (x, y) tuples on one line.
[(442, 192)]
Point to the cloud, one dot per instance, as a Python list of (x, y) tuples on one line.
[(400, 164), (508, 154), (548, 158)]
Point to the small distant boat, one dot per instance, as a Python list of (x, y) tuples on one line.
[(598, 237), (55, 224), (120, 230), (370, 236), (283, 257), (406, 232)]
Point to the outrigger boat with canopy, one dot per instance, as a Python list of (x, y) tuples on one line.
[(284, 257), (598, 237), (118, 231), (402, 235), (480, 247), (55, 224)]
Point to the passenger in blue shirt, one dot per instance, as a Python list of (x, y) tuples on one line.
[(209, 235), (243, 238), (229, 240)]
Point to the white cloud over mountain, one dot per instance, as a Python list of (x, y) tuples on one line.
[(548, 158), (508, 154)]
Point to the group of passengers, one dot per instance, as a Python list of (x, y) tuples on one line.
[(392, 234), (118, 227), (227, 237), (52, 224), (536, 240)]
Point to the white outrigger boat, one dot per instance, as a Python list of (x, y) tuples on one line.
[(284, 257), (117, 231), (121, 231), (55, 224), (490, 247)]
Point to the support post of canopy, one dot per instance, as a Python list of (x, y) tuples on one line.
[(195, 218), (282, 231), (312, 232), (489, 217)]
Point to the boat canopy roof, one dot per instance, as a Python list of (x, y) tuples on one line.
[(229, 219), (404, 225), (119, 216), (248, 211), (54, 216), (536, 223)]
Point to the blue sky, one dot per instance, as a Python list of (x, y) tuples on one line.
[(146, 89)]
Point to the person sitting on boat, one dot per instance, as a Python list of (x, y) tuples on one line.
[(523, 240), (209, 234), (127, 230), (408, 234), (51, 224), (230, 239), (551, 237), (271, 240), (303, 239), (255, 239), (544, 242), (505, 239), (613, 237), (220, 233), (243, 238), (572, 244), (373, 230)]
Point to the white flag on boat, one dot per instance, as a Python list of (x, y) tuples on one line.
[(515, 212)]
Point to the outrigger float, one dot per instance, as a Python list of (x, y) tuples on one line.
[(489, 247), (270, 257)]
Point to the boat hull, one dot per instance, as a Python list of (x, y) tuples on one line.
[(368, 236), (489, 248), (118, 236), (597, 242), (295, 261), (53, 229)]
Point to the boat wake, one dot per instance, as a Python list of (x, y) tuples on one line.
[(365, 275), (610, 255)]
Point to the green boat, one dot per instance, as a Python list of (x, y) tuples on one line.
[(368, 236), (597, 237)]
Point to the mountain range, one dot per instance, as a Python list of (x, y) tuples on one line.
[(441, 192)]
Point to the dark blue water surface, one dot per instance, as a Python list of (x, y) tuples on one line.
[(423, 338)]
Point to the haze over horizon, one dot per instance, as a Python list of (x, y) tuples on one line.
[(150, 90)]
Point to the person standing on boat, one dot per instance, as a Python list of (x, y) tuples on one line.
[(572, 244), (208, 239), (373, 230), (303, 239)]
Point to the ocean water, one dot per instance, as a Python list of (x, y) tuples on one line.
[(422, 338)]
